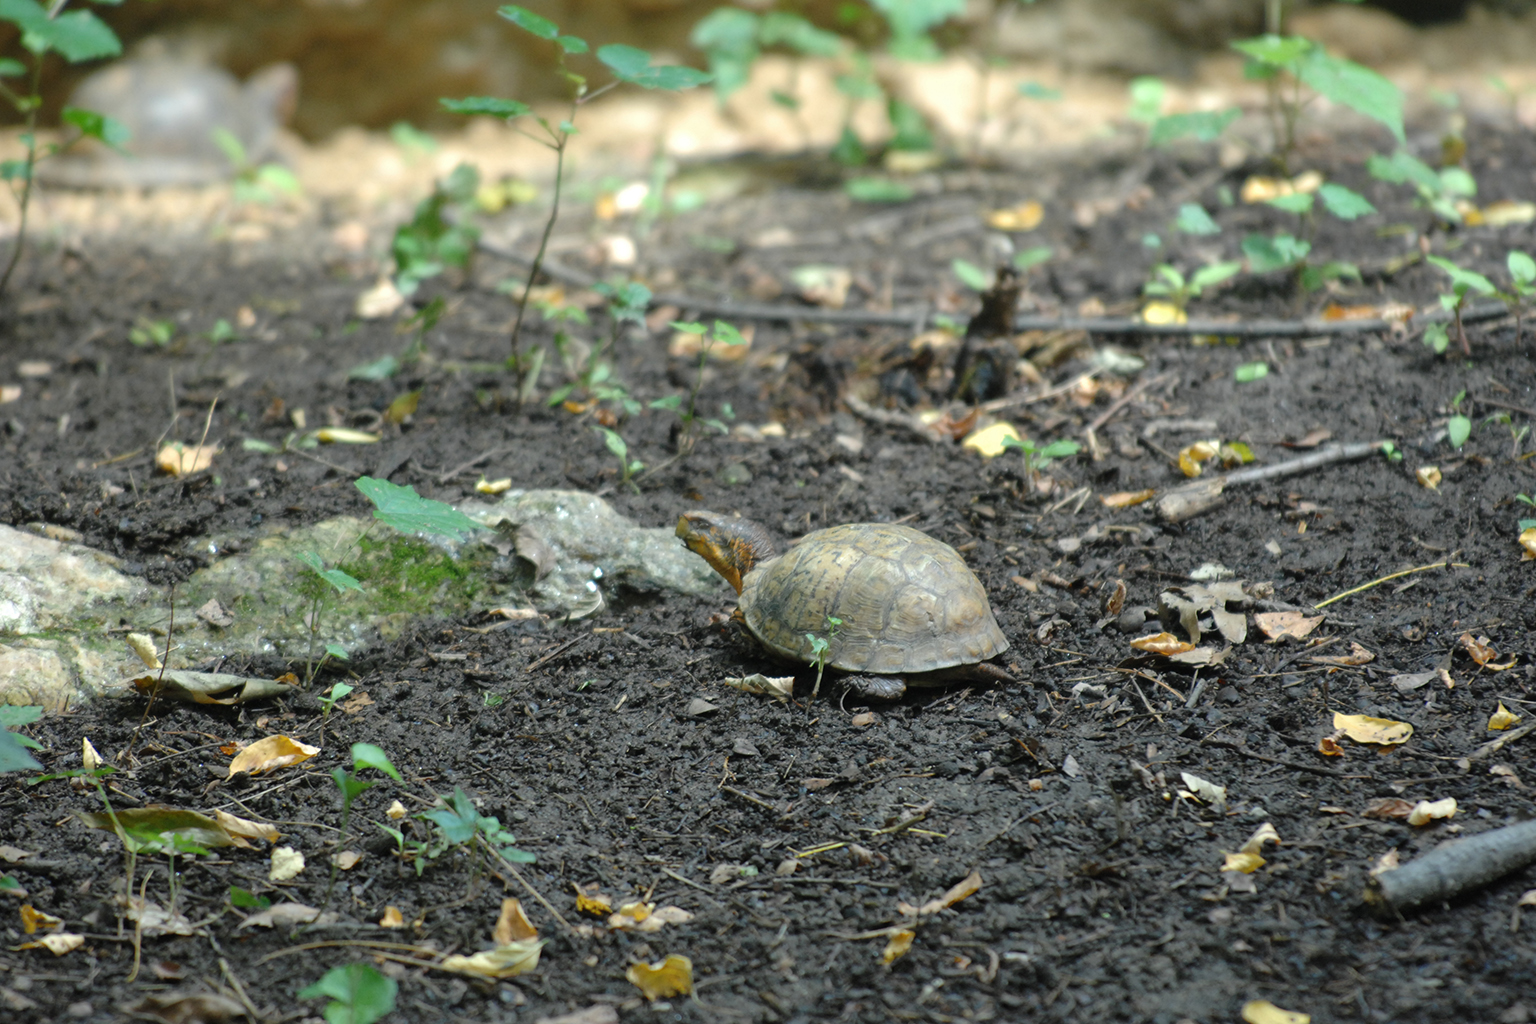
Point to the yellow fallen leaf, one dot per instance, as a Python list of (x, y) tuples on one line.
[(1428, 476), (286, 863), (1160, 312), (485, 486), (513, 924), (1502, 719), (58, 943), (1387, 808), (630, 914), (1204, 790), (1191, 456), (1357, 656), (145, 648), (663, 916), (897, 945), (506, 961), (1265, 833), (32, 919), (1278, 625), (392, 918), (346, 860), (1024, 217), (967, 886), (269, 754), (1426, 811), (988, 441), (177, 459), (90, 760), (344, 435), (1126, 499), (1262, 1011), (1505, 212), (1365, 729), (1528, 543), (590, 899), (1478, 649), (1162, 643), (671, 977), (1247, 863), (1329, 747), (245, 827)]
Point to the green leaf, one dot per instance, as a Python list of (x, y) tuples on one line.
[(1266, 254), (1060, 450), (1527, 524), (877, 190), (77, 35), (1456, 181), (1282, 52), (490, 106), (98, 126), (572, 44), (1355, 86), (367, 755), (12, 715), (1033, 90), (615, 442), (780, 28), (338, 652), (1463, 280), (1403, 166), (529, 22), (11, 68), (1251, 372), (1032, 257), (1436, 336), (405, 510), (1204, 125), (13, 170), (726, 334), (633, 65), (911, 128), (239, 897), (359, 994), (335, 577), (382, 368), (671, 403), (1213, 274), (1146, 99), (912, 18), (1344, 203), (970, 274), (1313, 278), (1522, 269), (252, 444), (1296, 202), (1193, 220), (1457, 430), (688, 327), (14, 756)]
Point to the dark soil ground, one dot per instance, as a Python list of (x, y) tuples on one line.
[(1102, 898)]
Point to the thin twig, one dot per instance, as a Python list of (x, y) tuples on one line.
[(1390, 577), (1322, 457), (512, 868)]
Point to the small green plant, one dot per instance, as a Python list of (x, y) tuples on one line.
[(264, 183), (358, 994), (1147, 95), (13, 745), (1391, 451), (1168, 283), (340, 582), (1438, 191), (689, 420), (1037, 457), (1522, 286), (627, 65), (1459, 427), (77, 36), (438, 235), (247, 900), (1247, 373), (350, 786), (458, 825), (1463, 283), (620, 448), (337, 693), (820, 647), (152, 333)]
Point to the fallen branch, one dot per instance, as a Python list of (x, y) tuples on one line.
[(1454, 868), (1392, 576), (1192, 499), (1494, 746)]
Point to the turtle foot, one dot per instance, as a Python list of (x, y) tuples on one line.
[(877, 687)]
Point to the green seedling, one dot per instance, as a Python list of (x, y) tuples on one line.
[(972, 276), (1288, 65), (1146, 107), (358, 994), (457, 824), (339, 582), (820, 647), (1168, 283), (1463, 283), (1438, 191), (14, 745), (350, 786), (1522, 278), (620, 448), (1037, 457), (627, 65), (437, 236), (244, 899), (265, 183), (1247, 373), (1527, 499), (77, 36), (1392, 452), (627, 303), (721, 333), (152, 333), (1459, 427), (338, 691)]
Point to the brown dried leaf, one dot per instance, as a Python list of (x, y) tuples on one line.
[(513, 924), (1280, 625)]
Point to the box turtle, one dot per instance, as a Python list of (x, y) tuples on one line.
[(912, 612), (173, 109)]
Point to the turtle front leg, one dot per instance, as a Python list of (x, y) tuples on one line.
[(877, 687)]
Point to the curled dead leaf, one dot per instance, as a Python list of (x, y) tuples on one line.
[(57, 943), (590, 899), (513, 924), (671, 977), (506, 961), (1283, 625), (177, 459), (1426, 811), (1389, 808), (1365, 729), (1193, 456), (392, 918), (1502, 719), (269, 754), (1428, 476), (1127, 499), (1328, 746), (967, 886), (897, 944), (1262, 1011), (1357, 656), (1162, 643)]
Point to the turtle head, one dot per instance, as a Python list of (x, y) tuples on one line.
[(731, 545)]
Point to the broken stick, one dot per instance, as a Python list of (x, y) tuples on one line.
[(1452, 869), (1190, 500)]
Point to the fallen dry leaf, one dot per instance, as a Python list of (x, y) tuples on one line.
[(247, 828), (1244, 863), (1159, 312), (1165, 644), (590, 899), (1428, 476), (1193, 456), (506, 961), (991, 441), (210, 687), (286, 863), (1386, 862), (1204, 790), (1026, 216), (1388, 808), (1426, 811), (57, 943), (1527, 899), (161, 820), (1502, 719), (269, 754), (1329, 747), (485, 486), (32, 919), (346, 860), (1365, 729), (380, 301), (967, 886), (1127, 499), (1262, 1011), (671, 977), (392, 918), (513, 924), (144, 646), (281, 913), (897, 944), (1478, 649), (779, 687), (1280, 625), (1357, 656), (214, 614), (1528, 543), (344, 435), (177, 459)]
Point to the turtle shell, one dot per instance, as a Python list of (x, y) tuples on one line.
[(908, 603)]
